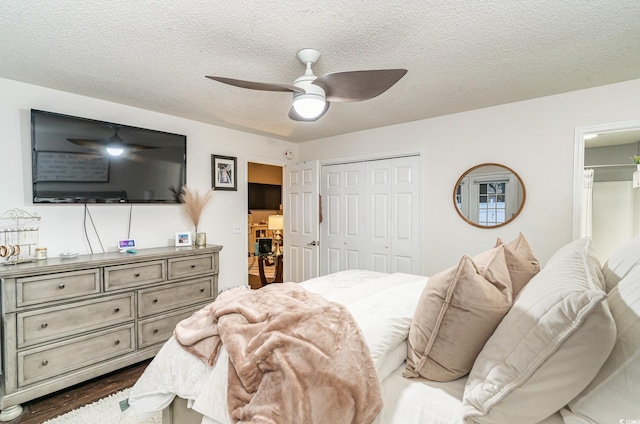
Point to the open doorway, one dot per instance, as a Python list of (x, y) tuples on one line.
[(612, 202), (265, 222)]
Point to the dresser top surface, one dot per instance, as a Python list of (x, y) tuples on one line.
[(103, 259)]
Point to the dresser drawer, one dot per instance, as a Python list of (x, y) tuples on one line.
[(193, 265), (56, 322), (58, 358), (159, 329), (59, 286), (175, 295), (132, 275)]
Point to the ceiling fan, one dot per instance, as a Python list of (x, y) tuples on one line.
[(114, 145), (312, 94)]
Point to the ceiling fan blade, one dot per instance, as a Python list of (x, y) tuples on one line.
[(132, 146), (296, 117), (263, 86), (85, 142), (355, 86), (97, 144)]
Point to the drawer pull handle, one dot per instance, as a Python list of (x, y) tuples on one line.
[(45, 363), (201, 290), (193, 266), (116, 310), (61, 286), (155, 301), (117, 342), (137, 274), (155, 331), (44, 325)]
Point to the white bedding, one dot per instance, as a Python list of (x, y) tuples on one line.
[(421, 401), (382, 304)]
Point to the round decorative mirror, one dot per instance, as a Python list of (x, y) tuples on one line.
[(489, 195)]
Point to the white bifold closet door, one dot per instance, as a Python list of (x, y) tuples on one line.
[(371, 216)]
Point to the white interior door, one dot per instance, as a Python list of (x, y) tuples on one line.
[(301, 235), (342, 231)]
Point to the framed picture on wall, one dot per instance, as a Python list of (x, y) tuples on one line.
[(223, 173)]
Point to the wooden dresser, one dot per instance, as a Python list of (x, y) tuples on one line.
[(65, 321)]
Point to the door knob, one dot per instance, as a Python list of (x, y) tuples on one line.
[(313, 243)]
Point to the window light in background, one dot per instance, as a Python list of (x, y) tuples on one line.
[(276, 224)]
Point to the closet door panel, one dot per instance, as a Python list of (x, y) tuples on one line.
[(354, 205), (333, 262), (403, 264), (405, 215), (380, 262), (331, 228), (342, 227), (354, 259), (378, 215), (371, 216)]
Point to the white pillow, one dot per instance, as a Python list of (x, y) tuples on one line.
[(548, 347), (621, 262), (615, 392), (569, 417)]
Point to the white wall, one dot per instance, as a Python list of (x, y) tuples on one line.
[(535, 138), (61, 227)]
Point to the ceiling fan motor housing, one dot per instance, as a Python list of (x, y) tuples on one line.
[(312, 102)]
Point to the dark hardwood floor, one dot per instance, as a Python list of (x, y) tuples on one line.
[(48, 407)]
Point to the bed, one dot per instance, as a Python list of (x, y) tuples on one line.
[(561, 346)]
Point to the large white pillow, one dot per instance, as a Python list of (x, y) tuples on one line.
[(615, 392), (621, 262), (548, 347)]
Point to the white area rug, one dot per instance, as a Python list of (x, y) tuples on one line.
[(104, 411)]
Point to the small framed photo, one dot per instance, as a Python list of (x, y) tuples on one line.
[(126, 244), (223, 173), (183, 239)]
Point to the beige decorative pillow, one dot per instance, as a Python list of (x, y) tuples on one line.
[(521, 262), (547, 349), (457, 312)]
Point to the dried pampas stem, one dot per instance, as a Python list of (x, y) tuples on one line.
[(194, 203)]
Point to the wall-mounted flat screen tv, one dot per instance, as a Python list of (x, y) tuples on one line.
[(265, 196), (80, 160)]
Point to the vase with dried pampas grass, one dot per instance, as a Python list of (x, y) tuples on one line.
[(193, 204)]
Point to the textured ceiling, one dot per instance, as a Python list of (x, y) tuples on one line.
[(461, 55)]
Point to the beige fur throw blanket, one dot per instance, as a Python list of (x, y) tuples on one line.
[(294, 357)]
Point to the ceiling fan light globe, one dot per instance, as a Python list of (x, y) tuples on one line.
[(309, 105), (115, 150)]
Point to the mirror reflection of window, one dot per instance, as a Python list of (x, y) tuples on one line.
[(459, 196), (492, 208), (489, 195)]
